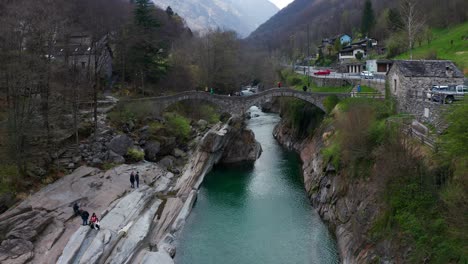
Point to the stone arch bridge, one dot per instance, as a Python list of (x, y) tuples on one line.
[(239, 104)]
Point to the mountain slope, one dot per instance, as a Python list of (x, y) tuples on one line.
[(242, 16)]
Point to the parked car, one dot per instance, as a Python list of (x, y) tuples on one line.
[(323, 72), (246, 92), (448, 93), (367, 75)]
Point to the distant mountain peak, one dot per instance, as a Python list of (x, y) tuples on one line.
[(243, 16)]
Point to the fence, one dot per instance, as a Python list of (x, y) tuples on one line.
[(367, 95), (407, 128)]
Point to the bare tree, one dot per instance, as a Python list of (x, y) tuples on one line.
[(412, 20)]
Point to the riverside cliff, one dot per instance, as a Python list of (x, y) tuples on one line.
[(349, 207), (137, 225)]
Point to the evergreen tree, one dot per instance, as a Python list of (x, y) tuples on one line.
[(368, 18), (144, 16), (169, 11), (395, 23)]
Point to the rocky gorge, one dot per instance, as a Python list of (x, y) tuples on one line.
[(137, 225), (348, 206)]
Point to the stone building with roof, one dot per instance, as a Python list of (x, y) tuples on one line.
[(410, 80), (79, 52)]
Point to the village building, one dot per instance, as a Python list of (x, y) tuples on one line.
[(345, 39), (410, 81), (79, 52), (352, 52), (358, 49), (381, 66)]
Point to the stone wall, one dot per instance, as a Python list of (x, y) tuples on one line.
[(324, 81)]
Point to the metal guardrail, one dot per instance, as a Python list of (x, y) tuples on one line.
[(367, 95)]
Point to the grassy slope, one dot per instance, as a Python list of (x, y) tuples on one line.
[(458, 52)]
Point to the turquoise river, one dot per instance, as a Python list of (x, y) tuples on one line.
[(256, 214)]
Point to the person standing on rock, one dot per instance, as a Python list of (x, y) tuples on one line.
[(84, 216), (95, 222), (132, 180), (137, 179), (76, 209)]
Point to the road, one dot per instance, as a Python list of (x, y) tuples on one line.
[(338, 75)]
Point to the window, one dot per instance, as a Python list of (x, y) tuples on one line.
[(83, 64)]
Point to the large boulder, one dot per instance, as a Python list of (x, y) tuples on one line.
[(167, 146), (152, 150), (242, 147), (202, 124), (120, 144), (115, 158), (167, 162)]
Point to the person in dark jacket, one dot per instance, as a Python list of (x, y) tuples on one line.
[(76, 209), (132, 180), (84, 216), (137, 179)]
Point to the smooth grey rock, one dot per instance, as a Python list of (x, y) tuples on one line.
[(167, 245), (16, 251), (137, 233), (127, 212), (166, 162), (73, 245), (157, 258), (120, 144)]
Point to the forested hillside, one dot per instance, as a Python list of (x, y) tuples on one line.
[(329, 18), (61, 58)]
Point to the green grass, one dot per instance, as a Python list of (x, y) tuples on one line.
[(441, 47), (367, 89), (332, 89)]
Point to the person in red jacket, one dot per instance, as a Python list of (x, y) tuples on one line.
[(279, 84), (95, 222)]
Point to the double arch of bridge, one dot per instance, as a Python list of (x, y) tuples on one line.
[(240, 104)]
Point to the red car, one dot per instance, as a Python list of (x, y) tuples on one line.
[(323, 72)]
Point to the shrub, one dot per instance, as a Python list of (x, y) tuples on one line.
[(178, 126), (196, 110), (135, 112), (135, 154), (109, 165), (302, 117), (330, 102), (332, 153), (8, 176)]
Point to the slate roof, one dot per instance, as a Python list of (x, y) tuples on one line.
[(427, 68)]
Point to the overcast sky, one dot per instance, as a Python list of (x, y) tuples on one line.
[(281, 3)]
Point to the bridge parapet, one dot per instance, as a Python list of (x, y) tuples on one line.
[(239, 104)]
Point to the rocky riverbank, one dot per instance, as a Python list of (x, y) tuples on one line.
[(349, 207), (137, 225)]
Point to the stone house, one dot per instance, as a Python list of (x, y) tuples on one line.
[(409, 82), (78, 51)]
